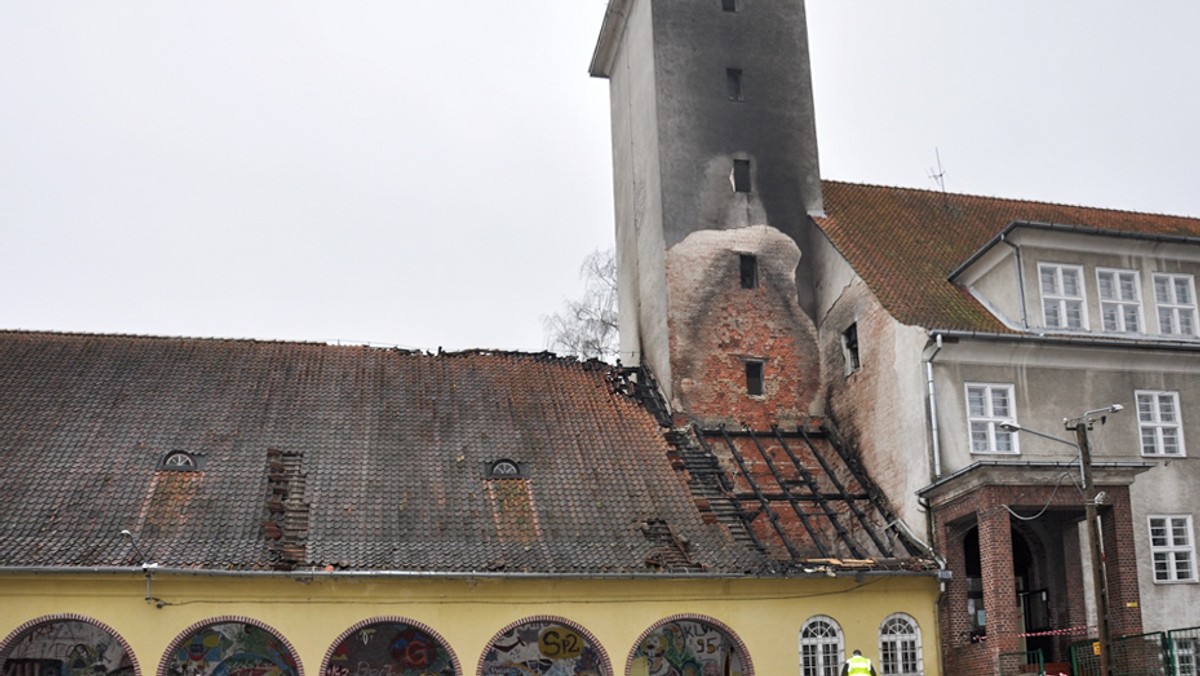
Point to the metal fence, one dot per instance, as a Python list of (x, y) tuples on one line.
[(1161, 653), (1030, 663)]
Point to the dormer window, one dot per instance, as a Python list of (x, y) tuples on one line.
[(180, 461), (1062, 296), (505, 469), (1120, 300)]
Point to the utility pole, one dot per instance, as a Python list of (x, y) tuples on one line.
[(1081, 425)]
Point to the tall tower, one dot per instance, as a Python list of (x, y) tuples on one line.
[(715, 171)]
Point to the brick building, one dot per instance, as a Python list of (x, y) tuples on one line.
[(944, 338)]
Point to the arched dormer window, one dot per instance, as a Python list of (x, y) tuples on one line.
[(180, 461)]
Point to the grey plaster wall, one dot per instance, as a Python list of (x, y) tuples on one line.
[(1051, 383)]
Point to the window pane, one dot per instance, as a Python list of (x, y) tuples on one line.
[(1162, 290), (1000, 403), (1179, 532), (1131, 318), (1170, 441), (1004, 442), (1187, 323), (1128, 288), (1183, 291), (1074, 314), (1049, 281), (1166, 321), (977, 401), (1106, 285), (1166, 408), (979, 437), (1145, 404), (1162, 570), (1053, 317), (1070, 282)]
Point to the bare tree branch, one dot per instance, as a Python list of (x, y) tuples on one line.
[(587, 327)]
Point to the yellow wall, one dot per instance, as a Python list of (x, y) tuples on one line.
[(765, 614)]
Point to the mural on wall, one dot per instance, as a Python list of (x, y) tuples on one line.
[(66, 648), (544, 648), (392, 649), (687, 648), (232, 649)]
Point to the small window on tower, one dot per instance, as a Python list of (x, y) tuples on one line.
[(749, 265), (729, 5), (850, 348), (754, 378), (741, 175), (733, 84)]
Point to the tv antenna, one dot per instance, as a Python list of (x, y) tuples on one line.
[(938, 176)]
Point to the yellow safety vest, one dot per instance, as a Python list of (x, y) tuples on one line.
[(858, 666)]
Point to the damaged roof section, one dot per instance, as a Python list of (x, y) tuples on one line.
[(798, 497), (337, 458)]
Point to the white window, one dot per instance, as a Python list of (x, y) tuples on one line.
[(989, 405), (821, 647), (1172, 548), (1062, 296), (1175, 298), (1120, 300), (1158, 421), (900, 646), (1184, 650)]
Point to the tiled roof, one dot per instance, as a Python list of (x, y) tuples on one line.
[(904, 243), (324, 456)]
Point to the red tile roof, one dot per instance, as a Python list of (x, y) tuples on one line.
[(904, 243), (321, 455)]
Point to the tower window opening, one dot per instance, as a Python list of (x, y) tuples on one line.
[(729, 5), (749, 271), (741, 175), (754, 378), (733, 84), (850, 348)]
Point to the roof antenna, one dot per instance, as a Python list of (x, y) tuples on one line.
[(938, 176)]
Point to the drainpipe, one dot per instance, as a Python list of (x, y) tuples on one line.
[(1020, 281), (933, 417)]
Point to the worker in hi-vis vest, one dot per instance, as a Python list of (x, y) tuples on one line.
[(858, 665)]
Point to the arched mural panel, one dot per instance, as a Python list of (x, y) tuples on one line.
[(392, 646), (689, 645), (66, 645), (544, 646), (230, 646)]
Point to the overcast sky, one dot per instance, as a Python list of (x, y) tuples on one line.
[(429, 174)]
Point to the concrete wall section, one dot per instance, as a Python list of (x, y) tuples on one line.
[(638, 195)]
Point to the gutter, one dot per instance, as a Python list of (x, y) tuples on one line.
[(1075, 229), (933, 417), (1020, 280), (1122, 343), (316, 573)]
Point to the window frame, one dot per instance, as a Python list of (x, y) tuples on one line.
[(850, 349), (1060, 298), (1172, 549), (913, 635), (1157, 426), (1119, 302), (1175, 308), (817, 645), (990, 419), (756, 381)]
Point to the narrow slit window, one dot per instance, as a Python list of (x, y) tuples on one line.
[(729, 5), (749, 271), (850, 348), (754, 378), (733, 84), (741, 175)]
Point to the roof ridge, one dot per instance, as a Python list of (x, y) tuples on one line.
[(1009, 200)]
